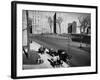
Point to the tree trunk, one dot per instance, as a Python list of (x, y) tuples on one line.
[(50, 29), (80, 38), (59, 29), (28, 46)]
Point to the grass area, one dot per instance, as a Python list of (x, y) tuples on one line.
[(32, 59)]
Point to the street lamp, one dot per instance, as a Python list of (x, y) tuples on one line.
[(69, 38)]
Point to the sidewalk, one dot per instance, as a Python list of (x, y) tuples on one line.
[(76, 44)]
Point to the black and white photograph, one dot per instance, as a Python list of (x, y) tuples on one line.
[(53, 39)]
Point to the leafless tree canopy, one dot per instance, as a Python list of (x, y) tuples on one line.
[(59, 21), (50, 21), (85, 22)]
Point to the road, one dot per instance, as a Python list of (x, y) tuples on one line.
[(79, 56)]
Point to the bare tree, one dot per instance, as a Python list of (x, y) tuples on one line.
[(50, 21), (29, 24), (84, 23), (59, 21)]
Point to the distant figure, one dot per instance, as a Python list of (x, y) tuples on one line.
[(60, 62), (39, 60), (64, 55), (51, 62), (52, 52), (55, 61), (46, 50), (41, 50), (55, 58)]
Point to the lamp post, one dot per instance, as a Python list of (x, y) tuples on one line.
[(69, 38)]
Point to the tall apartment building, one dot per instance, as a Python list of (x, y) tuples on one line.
[(72, 27)]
